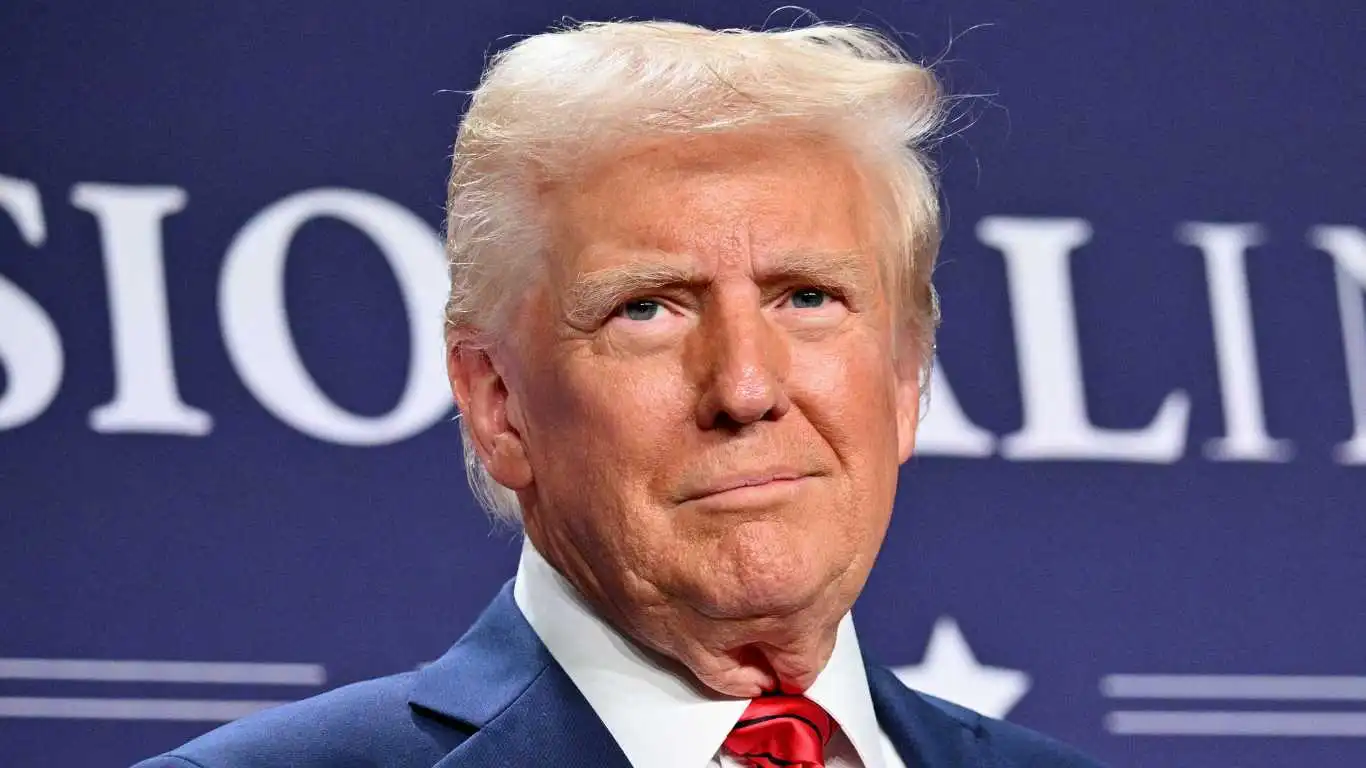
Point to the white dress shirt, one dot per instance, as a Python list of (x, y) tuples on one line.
[(662, 718)]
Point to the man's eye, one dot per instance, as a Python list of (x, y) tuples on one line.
[(641, 310), (809, 298)]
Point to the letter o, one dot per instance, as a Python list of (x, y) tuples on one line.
[(251, 305)]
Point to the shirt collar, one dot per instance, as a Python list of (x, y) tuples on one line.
[(659, 716)]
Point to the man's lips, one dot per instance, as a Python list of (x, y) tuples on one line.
[(770, 478)]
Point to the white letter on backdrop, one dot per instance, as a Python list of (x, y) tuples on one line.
[(30, 347), (1235, 346), (256, 325), (146, 398), (1347, 246), (944, 429), (1056, 423)]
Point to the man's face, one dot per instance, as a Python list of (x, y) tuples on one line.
[(704, 384)]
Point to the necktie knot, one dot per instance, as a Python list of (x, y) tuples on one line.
[(781, 730)]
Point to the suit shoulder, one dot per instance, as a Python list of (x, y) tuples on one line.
[(168, 761), (367, 723), (1028, 749), (954, 735), (1014, 745)]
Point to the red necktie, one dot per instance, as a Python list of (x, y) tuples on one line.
[(781, 730)]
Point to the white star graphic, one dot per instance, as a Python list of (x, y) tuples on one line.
[(950, 671)]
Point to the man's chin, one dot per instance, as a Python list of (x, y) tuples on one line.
[(756, 600)]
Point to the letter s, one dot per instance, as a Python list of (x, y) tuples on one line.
[(30, 348)]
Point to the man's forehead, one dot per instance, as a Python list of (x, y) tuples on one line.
[(803, 210), (703, 152), (693, 266), (720, 187)]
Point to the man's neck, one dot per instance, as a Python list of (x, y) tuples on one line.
[(638, 694)]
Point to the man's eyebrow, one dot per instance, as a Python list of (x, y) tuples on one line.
[(848, 269), (593, 294)]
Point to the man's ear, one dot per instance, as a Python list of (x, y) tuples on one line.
[(908, 392), (481, 393)]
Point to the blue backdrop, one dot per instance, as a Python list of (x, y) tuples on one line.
[(1137, 517)]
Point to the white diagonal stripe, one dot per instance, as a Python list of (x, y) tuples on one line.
[(202, 710), (1251, 687), (1288, 724), (99, 670)]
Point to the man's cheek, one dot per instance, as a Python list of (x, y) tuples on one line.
[(593, 394), (845, 382), (644, 395)]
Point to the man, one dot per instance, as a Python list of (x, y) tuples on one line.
[(689, 323)]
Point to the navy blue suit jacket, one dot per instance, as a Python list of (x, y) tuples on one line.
[(497, 698)]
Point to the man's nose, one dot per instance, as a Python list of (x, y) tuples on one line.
[(745, 360)]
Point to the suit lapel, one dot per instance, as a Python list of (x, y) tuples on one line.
[(924, 735), (549, 724), (502, 682)]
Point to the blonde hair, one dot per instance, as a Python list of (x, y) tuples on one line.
[(553, 101)]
